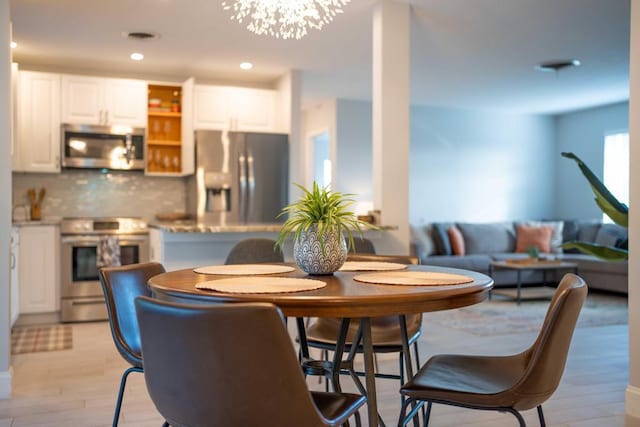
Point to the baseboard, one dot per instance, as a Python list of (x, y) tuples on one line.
[(6, 383), (632, 401)]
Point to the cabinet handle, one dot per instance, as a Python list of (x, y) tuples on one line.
[(106, 117), (13, 261)]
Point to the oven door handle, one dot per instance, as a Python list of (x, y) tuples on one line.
[(94, 240)]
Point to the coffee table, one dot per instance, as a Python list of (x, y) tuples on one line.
[(520, 265)]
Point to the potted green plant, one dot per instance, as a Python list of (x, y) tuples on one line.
[(319, 222), (610, 205)]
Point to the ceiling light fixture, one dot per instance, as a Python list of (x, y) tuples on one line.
[(136, 56), (557, 65), (246, 65), (14, 45), (284, 18)]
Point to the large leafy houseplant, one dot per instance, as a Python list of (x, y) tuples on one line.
[(319, 222), (611, 206)]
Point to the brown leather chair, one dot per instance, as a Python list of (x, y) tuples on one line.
[(503, 383), (199, 373), (121, 286), (251, 251), (385, 330)]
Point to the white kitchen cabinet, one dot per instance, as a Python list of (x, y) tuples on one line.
[(38, 133), (38, 268), (104, 101), (234, 108), (15, 285)]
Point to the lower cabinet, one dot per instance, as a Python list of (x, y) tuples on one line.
[(38, 269)]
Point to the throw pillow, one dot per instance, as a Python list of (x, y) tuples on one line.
[(457, 241), (556, 236), (539, 237), (441, 239)]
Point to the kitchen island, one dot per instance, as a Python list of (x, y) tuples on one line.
[(182, 245)]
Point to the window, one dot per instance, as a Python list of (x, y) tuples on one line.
[(616, 167)]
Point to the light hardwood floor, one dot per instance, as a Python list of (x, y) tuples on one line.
[(78, 387)]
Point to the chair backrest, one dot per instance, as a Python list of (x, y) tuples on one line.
[(251, 251), (223, 365), (121, 286), (546, 358), (362, 246)]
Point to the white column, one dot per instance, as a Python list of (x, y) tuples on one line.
[(633, 389), (290, 90), (5, 204), (391, 23)]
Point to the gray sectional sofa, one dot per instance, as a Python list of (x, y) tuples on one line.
[(487, 242)]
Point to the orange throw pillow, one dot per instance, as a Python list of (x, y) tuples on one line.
[(456, 239), (539, 237)]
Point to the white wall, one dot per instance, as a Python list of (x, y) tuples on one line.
[(582, 133), (353, 161), (5, 204), (470, 165), (465, 165), (316, 120)]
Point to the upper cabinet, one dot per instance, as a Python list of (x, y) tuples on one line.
[(234, 108), (104, 101), (38, 130)]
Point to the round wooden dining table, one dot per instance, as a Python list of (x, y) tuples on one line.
[(342, 297)]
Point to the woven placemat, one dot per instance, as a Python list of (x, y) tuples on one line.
[(371, 266), (261, 285), (414, 278), (244, 269)]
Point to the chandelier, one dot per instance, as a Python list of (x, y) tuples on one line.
[(284, 18)]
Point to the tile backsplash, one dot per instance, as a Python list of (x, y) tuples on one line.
[(94, 194)]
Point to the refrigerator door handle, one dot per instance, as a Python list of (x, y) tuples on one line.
[(242, 172), (251, 182)]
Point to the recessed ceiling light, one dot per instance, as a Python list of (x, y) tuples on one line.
[(136, 56), (557, 65), (14, 45), (246, 65)]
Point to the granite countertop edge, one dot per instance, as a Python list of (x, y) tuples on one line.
[(236, 228), (44, 221)]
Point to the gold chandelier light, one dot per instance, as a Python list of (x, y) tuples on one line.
[(284, 18)]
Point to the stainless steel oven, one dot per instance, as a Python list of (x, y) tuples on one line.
[(82, 297)]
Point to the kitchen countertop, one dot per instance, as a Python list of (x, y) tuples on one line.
[(43, 221), (193, 227)]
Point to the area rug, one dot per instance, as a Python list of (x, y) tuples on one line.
[(31, 339), (503, 316)]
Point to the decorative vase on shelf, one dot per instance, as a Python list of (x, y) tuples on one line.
[(315, 255)]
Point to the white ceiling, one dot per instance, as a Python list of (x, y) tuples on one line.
[(476, 54)]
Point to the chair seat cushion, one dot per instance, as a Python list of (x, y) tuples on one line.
[(385, 331), (336, 407), (467, 380)]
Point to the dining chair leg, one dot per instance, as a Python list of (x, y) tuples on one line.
[(427, 414), (518, 416), (123, 383), (357, 417), (541, 417)]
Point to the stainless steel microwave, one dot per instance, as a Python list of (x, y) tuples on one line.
[(97, 147)]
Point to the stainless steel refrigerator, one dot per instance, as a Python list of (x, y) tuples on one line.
[(241, 177)]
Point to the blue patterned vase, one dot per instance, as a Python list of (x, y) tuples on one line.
[(307, 252)]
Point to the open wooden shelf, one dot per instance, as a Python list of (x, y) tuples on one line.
[(164, 142), (164, 114)]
